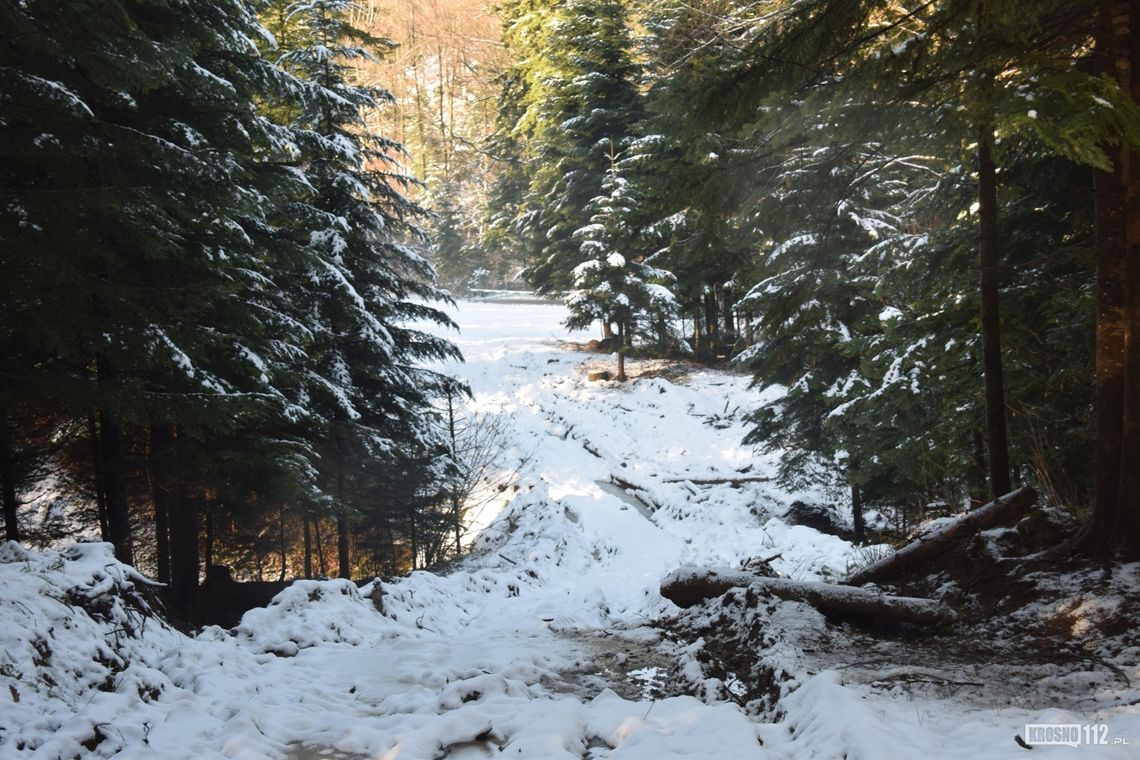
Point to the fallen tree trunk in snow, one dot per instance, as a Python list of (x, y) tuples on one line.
[(689, 585), (1002, 510)]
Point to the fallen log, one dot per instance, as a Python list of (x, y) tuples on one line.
[(1002, 510), (735, 482), (689, 585)]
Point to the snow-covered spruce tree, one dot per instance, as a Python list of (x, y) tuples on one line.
[(614, 288), (832, 209), (367, 405), (915, 426)]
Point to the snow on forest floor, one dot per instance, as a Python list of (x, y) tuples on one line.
[(546, 642)]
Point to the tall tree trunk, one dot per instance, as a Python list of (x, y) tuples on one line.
[(97, 472), (1127, 526), (8, 482), (115, 485), (990, 255), (712, 331), (184, 556), (112, 464), (1111, 243), (307, 532), (161, 440), (1117, 240), (730, 332)]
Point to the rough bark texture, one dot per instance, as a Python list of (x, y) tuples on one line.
[(1003, 510), (688, 586), (990, 256)]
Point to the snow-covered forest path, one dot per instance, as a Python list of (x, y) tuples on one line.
[(541, 644), (517, 646), (538, 646)]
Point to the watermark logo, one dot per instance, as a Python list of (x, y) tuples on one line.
[(1070, 734)]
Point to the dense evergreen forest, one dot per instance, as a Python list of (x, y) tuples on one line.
[(229, 229), (211, 286)]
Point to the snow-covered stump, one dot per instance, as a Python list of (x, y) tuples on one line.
[(1002, 510), (688, 586)]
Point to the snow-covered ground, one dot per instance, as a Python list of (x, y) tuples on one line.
[(539, 645)]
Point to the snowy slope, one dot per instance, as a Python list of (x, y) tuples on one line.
[(539, 645)]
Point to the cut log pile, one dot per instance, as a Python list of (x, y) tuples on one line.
[(1003, 510), (689, 585)]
